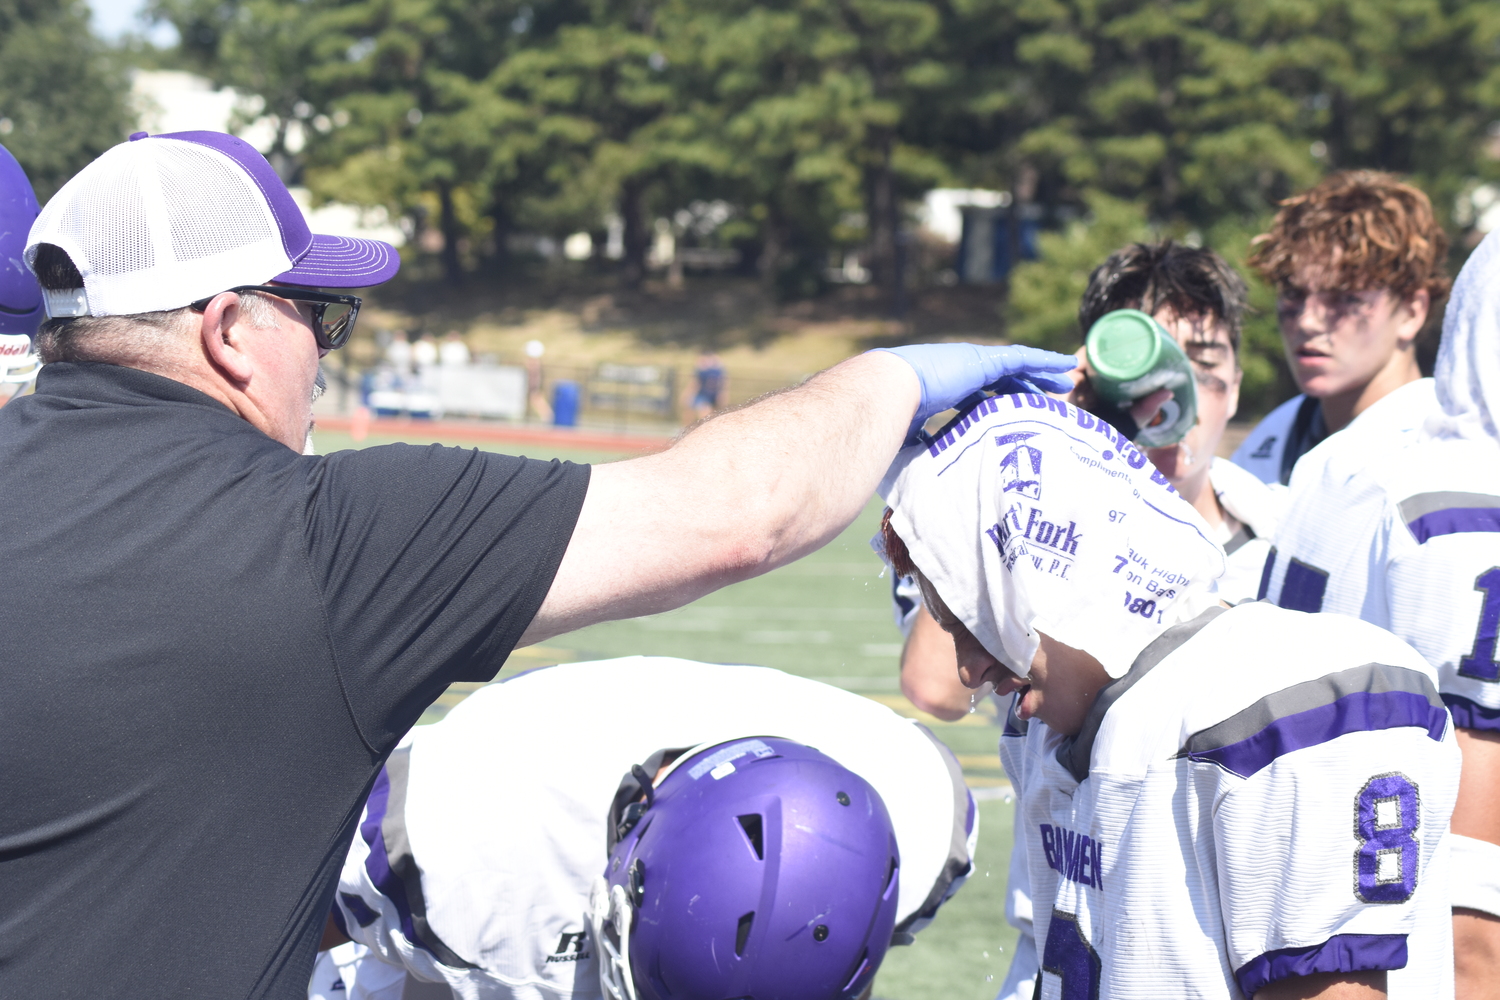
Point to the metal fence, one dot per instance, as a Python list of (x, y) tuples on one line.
[(620, 396)]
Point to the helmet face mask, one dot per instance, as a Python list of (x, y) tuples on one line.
[(758, 868), (610, 912)]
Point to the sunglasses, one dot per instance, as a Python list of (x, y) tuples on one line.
[(330, 315)]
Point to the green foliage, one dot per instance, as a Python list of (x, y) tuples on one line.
[(61, 91), (1207, 112), (816, 118), (1044, 294)]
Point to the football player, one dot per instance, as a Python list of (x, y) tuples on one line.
[(1357, 264), (1200, 300), (1215, 803), (20, 296), (1411, 541), (649, 828)]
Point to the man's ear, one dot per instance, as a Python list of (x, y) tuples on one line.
[(221, 341), (1413, 316)]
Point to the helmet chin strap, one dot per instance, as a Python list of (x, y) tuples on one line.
[(609, 922)]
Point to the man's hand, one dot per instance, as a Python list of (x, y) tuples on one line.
[(950, 373), (929, 671), (1081, 394)]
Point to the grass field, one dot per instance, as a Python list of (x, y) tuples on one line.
[(826, 617)]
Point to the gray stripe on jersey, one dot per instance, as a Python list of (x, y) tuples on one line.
[(958, 864), (1416, 506), (404, 864), (1074, 754), (1371, 678)]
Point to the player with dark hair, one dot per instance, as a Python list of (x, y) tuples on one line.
[(1200, 300), (1213, 803), (649, 828), (1357, 262)]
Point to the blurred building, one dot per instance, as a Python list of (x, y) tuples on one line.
[(980, 223)]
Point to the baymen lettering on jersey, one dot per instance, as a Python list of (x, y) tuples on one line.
[(1077, 857)]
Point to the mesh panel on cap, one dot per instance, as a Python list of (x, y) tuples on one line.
[(105, 218), (191, 177)]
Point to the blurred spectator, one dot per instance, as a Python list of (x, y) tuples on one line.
[(453, 353), (399, 353), (712, 383), (537, 399), (424, 353)]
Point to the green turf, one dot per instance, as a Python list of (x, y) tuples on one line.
[(827, 616), (966, 951)]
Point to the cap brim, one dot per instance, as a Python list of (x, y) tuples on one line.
[(343, 262)]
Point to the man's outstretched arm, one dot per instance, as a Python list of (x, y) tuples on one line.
[(760, 486)]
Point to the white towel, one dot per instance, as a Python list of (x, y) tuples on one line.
[(1031, 515), (1468, 364)]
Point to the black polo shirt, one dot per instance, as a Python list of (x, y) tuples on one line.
[(210, 644)]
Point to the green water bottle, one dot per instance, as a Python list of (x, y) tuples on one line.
[(1132, 356)]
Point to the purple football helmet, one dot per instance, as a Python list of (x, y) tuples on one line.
[(758, 869), (20, 296)]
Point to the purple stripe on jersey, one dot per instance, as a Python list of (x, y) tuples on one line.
[(1362, 711), (1340, 953), (1472, 715), (380, 795), (1265, 574), (1302, 587), (1453, 521), (378, 864), (337, 913)]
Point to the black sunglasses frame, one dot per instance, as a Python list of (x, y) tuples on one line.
[(319, 301)]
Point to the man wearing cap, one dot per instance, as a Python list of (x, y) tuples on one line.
[(1214, 803), (215, 641)]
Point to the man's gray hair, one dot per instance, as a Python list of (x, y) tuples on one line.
[(123, 340)]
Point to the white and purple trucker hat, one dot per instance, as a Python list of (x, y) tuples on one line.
[(161, 221)]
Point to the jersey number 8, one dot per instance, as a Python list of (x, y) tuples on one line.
[(1386, 814)]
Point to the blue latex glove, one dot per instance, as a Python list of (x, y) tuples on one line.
[(949, 373)]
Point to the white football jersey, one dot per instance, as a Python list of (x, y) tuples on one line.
[(1265, 794), (1258, 507), (1412, 544), (1326, 501), (480, 842), (1260, 454)]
